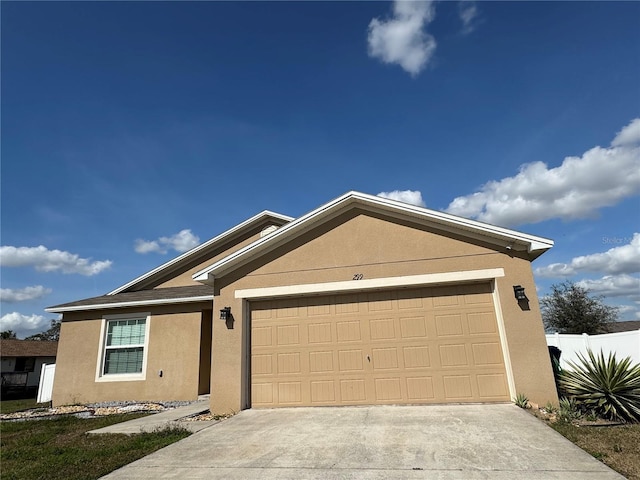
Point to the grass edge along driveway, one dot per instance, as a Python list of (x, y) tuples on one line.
[(61, 449)]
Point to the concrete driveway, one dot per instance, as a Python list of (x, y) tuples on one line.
[(435, 442)]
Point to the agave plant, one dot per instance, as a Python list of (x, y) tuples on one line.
[(607, 387)]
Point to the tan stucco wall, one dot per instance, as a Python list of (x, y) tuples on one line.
[(173, 347), (376, 247)]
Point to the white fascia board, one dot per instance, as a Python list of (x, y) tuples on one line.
[(138, 303), (371, 284), (295, 227), (534, 242), (199, 248)]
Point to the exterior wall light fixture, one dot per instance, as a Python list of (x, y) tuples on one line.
[(519, 292), (225, 313)]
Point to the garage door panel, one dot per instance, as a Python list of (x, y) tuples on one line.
[(346, 304), (288, 335), (353, 390), (457, 388), (428, 345), (382, 329), (413, 327), (384, 358), (388, 389), (486, 354), (262, 364), (350, 360), (320, 333), (261, 336), (492, 386), (416, 356), (319, 309), (323, 392), (290, 393), (262, 394), (348, 331), (449, 325), (379, 301), (420, 389), (453, 355), (482, 323), (289, 363), (321, 361), (412, 300)]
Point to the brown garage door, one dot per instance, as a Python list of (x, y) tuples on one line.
[(427, 345)]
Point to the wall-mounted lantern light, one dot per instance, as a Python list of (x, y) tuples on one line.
[(225, 313), (519, 292)]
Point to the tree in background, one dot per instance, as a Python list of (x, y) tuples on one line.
[(570, 309), (51, 335), (7, 334)]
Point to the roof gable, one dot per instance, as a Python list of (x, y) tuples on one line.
[(202, 250), (500, 237)]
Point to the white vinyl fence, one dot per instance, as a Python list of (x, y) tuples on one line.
[(623, 344), (45, 389)]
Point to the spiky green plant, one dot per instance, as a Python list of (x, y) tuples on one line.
[(607, 387), (568, 410), (522, 401)]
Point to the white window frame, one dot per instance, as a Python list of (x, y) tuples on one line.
[(102, 350)]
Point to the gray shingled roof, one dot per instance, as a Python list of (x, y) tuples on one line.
[(27, 348), (625, 326), (170, 293)]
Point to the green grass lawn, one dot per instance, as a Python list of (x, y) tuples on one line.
[(616, 446), (10, 406), (61, 449)]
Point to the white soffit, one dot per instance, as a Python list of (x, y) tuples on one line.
[(194, 251), (501, 236)]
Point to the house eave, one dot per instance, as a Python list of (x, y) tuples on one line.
[(502, 237), (137, 303)]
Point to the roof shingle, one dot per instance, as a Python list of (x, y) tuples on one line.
[(171, 293), (27, 348)]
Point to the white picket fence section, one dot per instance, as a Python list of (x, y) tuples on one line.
[(623, 344), (45, 388)]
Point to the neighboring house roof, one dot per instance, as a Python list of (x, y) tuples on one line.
[(27, 348), (158, 296), (625, 326), (205, 248), (501, 237)]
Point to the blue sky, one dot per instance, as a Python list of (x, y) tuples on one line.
[(132, 131)]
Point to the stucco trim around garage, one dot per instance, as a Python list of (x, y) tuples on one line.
[(368, 284), (140, 303), (501, 237)]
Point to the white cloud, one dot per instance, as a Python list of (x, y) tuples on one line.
[(601, 177), (402, 39), (623, 259), (182, 241), (468, 12), (45, 260), (23, 294), (406, 196), (629, 135), (613, 286), (23, 324)]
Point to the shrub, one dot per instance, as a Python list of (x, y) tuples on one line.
[(522, 401), (568, 410), (607, 387)]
